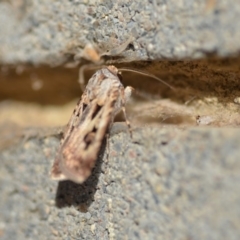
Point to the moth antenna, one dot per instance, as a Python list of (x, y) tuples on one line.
[(81, 78), (147, 74)]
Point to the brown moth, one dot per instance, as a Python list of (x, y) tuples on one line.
[(103, 98)]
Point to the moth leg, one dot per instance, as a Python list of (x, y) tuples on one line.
[(125, 95), (126, 120), (108, 145)]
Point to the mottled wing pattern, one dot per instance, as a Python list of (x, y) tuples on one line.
[(56, 172), (87, 127)]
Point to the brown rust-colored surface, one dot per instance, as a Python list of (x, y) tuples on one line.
[(206, 90), (43, 85)]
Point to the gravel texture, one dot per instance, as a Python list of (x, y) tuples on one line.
[(172, 180), (149, 187), (54, 32)]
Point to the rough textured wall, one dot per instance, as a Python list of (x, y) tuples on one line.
[(164, 183), (52, 32), (178, 177)]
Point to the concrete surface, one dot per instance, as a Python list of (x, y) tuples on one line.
[(179, 177), (162, 184), (55, 32)]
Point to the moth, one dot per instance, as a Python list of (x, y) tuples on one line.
[(103, 97)]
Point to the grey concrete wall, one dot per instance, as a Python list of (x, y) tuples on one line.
[(52, 32), (170, 181), (162, 184)]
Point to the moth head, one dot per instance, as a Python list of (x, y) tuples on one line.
[(144, 74), (113, 69)]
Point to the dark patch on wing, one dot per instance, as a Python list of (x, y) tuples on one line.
[(98, 108)]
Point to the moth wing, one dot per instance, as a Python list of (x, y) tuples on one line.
[(80, 155), (56, 173), (79, 152)]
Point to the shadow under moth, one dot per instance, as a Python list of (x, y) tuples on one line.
[(103, 97)]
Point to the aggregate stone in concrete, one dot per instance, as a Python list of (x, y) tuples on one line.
[(163, 184), (166, 182), (43, 32)]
